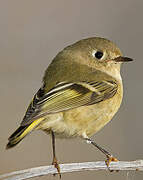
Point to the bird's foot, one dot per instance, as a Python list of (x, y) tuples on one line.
[(56, 165), (109, 159)]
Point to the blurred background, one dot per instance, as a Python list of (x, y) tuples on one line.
[(32, 32)]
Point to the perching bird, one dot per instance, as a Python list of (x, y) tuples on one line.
[(82, 90)]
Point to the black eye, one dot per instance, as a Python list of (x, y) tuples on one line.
[(98, 54)]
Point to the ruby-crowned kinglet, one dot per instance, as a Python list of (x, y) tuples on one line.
[(82, 90)]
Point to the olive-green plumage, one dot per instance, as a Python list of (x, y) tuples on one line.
[(82, 90)]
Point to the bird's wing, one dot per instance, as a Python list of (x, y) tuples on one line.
[(66, 95)]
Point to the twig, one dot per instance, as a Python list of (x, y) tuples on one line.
[(46, 170)]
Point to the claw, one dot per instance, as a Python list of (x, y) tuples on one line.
[(56, 165), (110, 158)]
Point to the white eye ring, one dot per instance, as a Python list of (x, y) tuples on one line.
[(98, 54)]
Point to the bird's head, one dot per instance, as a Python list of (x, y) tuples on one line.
[(97, 53)]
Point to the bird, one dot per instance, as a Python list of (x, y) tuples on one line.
[(81, 91)]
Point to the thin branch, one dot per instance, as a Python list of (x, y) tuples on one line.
[(100, 165)]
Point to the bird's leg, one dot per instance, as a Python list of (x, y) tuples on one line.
[(55, 162), (109, 156)]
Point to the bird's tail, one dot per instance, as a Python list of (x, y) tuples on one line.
[(21, 132)]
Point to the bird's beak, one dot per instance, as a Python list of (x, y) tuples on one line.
[(122, 59)]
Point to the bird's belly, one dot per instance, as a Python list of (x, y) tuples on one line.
[(83, 120), (88, 120)]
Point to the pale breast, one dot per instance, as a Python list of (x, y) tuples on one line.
[(90, 119), (83, 120)]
